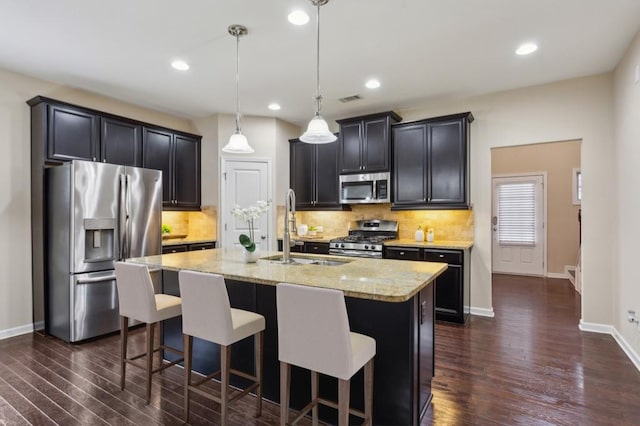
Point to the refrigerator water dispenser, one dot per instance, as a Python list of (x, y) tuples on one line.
[(99, 243)]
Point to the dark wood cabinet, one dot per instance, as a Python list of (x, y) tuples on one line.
[(72, 134), (452, 287), (364, 143), (431, 163), (180, 248), (314, 175), (178, 157), (120, 142), (315, 247), (319, 247), (403, 253)]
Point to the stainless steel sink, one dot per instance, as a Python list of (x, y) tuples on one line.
[(296, 260)]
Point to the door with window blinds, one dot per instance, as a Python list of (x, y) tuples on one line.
[(518, 225)]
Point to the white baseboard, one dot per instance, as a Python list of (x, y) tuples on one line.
[(16, 331), (626, 347), (560, 275), (611, 330), (483, 312)]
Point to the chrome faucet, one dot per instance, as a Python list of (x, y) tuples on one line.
[(289, 225)]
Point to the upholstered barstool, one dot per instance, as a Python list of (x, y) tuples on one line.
[(208, 315), (138, 301), (313, 333)]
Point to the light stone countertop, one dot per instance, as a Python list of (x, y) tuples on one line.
[(186, 240), (375, 279), (439, 244), (319, 238)]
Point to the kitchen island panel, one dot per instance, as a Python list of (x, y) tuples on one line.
[(403, 350)]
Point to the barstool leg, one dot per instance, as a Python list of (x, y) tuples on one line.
[(259, 344), (225, 366), (285, 381), (188, 347), (343, 402), (149, 359), (124, 335), (314, 397), (368, 392)]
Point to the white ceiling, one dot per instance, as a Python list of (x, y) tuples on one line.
[(419, 49)]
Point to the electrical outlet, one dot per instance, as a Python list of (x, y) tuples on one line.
[(631, 316), (636, 74)]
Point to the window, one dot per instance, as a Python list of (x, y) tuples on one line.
[(577, 186), (517, 213)]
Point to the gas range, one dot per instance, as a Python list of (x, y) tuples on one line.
[(365, 238)]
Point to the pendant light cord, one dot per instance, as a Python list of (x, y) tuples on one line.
[(238, 82), (318, 95)]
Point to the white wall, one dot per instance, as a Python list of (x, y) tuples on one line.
[(627, 132), (568, 110), (268, 136)]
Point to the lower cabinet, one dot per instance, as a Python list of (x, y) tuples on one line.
[(307, 247), (180, 248), (452, 286)]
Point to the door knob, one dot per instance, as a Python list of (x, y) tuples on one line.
[(264, 237)]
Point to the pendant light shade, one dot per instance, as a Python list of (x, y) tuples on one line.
[(318, 130), (238, 143)]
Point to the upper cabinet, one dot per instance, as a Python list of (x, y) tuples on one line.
[(364, 143), (72, 134), (431, 163), (314, 175), (120, 142), (63, 132), (178, 157)]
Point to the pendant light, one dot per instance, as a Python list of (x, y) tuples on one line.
[(238, 143), (318, 130)]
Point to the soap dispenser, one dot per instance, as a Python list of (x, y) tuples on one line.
[(419, 234), (430, 235)]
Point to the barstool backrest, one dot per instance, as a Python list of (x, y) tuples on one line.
[(206, 312), (313, 329), (135, 292)]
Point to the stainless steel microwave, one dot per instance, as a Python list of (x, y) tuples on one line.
[(365, 188)]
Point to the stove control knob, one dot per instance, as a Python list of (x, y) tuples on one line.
[(341, 245), (366, 247)]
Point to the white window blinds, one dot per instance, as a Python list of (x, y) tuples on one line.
[(517, 213)]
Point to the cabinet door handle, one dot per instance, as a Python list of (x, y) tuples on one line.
[(441, 256), (94, 158), (401, 253)]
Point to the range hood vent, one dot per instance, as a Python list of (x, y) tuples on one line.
[(351, 98)]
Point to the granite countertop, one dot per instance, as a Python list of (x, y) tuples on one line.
[(441, 244), (375, 279), (319, 238), (185, 240)]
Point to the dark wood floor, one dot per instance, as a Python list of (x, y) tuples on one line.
[(528, 365)]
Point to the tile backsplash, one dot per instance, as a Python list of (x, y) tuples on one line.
[(196, 225), (452, 225)]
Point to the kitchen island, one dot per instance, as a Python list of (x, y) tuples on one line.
[(389, 300)]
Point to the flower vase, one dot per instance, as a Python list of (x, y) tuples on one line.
[(250, 256)]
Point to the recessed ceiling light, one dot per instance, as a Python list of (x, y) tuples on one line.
[(526, 48), (274, 106), (372, 84), (180, 65), (298, 17)]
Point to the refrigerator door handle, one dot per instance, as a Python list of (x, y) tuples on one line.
[(122, 220), (111, 277), (127, 211)]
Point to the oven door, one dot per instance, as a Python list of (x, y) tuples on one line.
[(356, 253)]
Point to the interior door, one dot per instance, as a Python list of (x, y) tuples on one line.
[(245, 182), (518, 227)]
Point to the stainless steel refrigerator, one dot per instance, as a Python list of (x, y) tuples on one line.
[(96, 214)]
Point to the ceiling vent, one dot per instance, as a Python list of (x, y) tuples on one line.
[(351, 98)]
